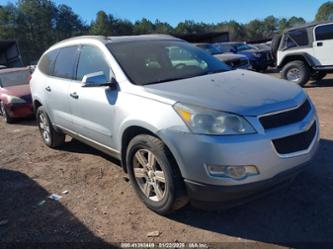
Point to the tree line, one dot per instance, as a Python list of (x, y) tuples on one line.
[(37, 24)]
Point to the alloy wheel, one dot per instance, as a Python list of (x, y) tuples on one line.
[(294, 74), (149, 175)]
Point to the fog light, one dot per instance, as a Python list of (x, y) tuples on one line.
[(234, 172)]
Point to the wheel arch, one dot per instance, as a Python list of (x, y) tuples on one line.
[(35, 104), (297, 57), (130, 132)]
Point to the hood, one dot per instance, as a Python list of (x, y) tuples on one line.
[(17, 91), (252, 50), (229, 56), (238, 91)]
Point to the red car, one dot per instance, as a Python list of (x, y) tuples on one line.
[(15, 96)]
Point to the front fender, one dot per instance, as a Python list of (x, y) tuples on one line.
[(297, 56)]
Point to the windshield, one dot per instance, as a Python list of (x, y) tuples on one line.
[(14, 78), (149, 62)]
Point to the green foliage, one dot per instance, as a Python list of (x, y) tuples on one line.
[(102, 25), (325, 12), (144, 26), (37, 24), (68, 24)]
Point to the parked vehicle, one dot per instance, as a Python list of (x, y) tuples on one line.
[(235, 61), (305, 52), (183, 125), (259, 59), (266, 49), (15, 97), (10, 56)]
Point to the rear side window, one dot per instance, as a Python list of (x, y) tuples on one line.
[(324, 32), (64, 66), (300, 37), (46, 63), (297, 38), (91, 60)]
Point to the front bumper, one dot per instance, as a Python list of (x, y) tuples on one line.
[(216, 197), (20, 110), (259, 63), (194, 152)]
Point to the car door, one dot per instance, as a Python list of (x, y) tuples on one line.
[(323, 44), (93, 107), (57, 87)]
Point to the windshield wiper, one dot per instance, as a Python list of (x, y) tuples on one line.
[(187, 77), (166, 80)]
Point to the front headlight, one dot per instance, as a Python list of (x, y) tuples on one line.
[(14, 100), (205, 121)]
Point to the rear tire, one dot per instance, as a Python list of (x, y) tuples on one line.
[(297, 72), (155, 176), (51, 137), (4, 114), (318, 75)]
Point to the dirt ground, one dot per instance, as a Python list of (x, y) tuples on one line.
[(101, 207)]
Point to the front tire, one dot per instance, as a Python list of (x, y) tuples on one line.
[(51, 137), (5, 114), (297, 72), (154, 175)]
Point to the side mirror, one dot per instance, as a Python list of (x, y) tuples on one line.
[(98, 79)]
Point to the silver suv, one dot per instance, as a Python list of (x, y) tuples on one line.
[(183, 126)]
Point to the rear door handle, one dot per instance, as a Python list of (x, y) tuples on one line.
[(74, 95), (319, 44), (48, 89)]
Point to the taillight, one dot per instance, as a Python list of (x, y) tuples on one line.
[(29, 78)]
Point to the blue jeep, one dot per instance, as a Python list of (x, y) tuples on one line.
[(259, 59)]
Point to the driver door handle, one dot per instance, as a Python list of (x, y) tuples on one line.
[(48, 89), (74, 95)]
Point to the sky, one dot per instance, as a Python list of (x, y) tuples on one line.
[(210, 11)]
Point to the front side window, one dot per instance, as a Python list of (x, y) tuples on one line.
[(149, 62), (65, 62), (324, 32), (91, 60), (14, 78), (46, 63)]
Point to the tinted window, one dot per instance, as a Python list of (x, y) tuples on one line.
[(14, 78), (91, 61), (64, 66), (209, 48), (149, 62), (298, 38), (46, 63), (324, 32)]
